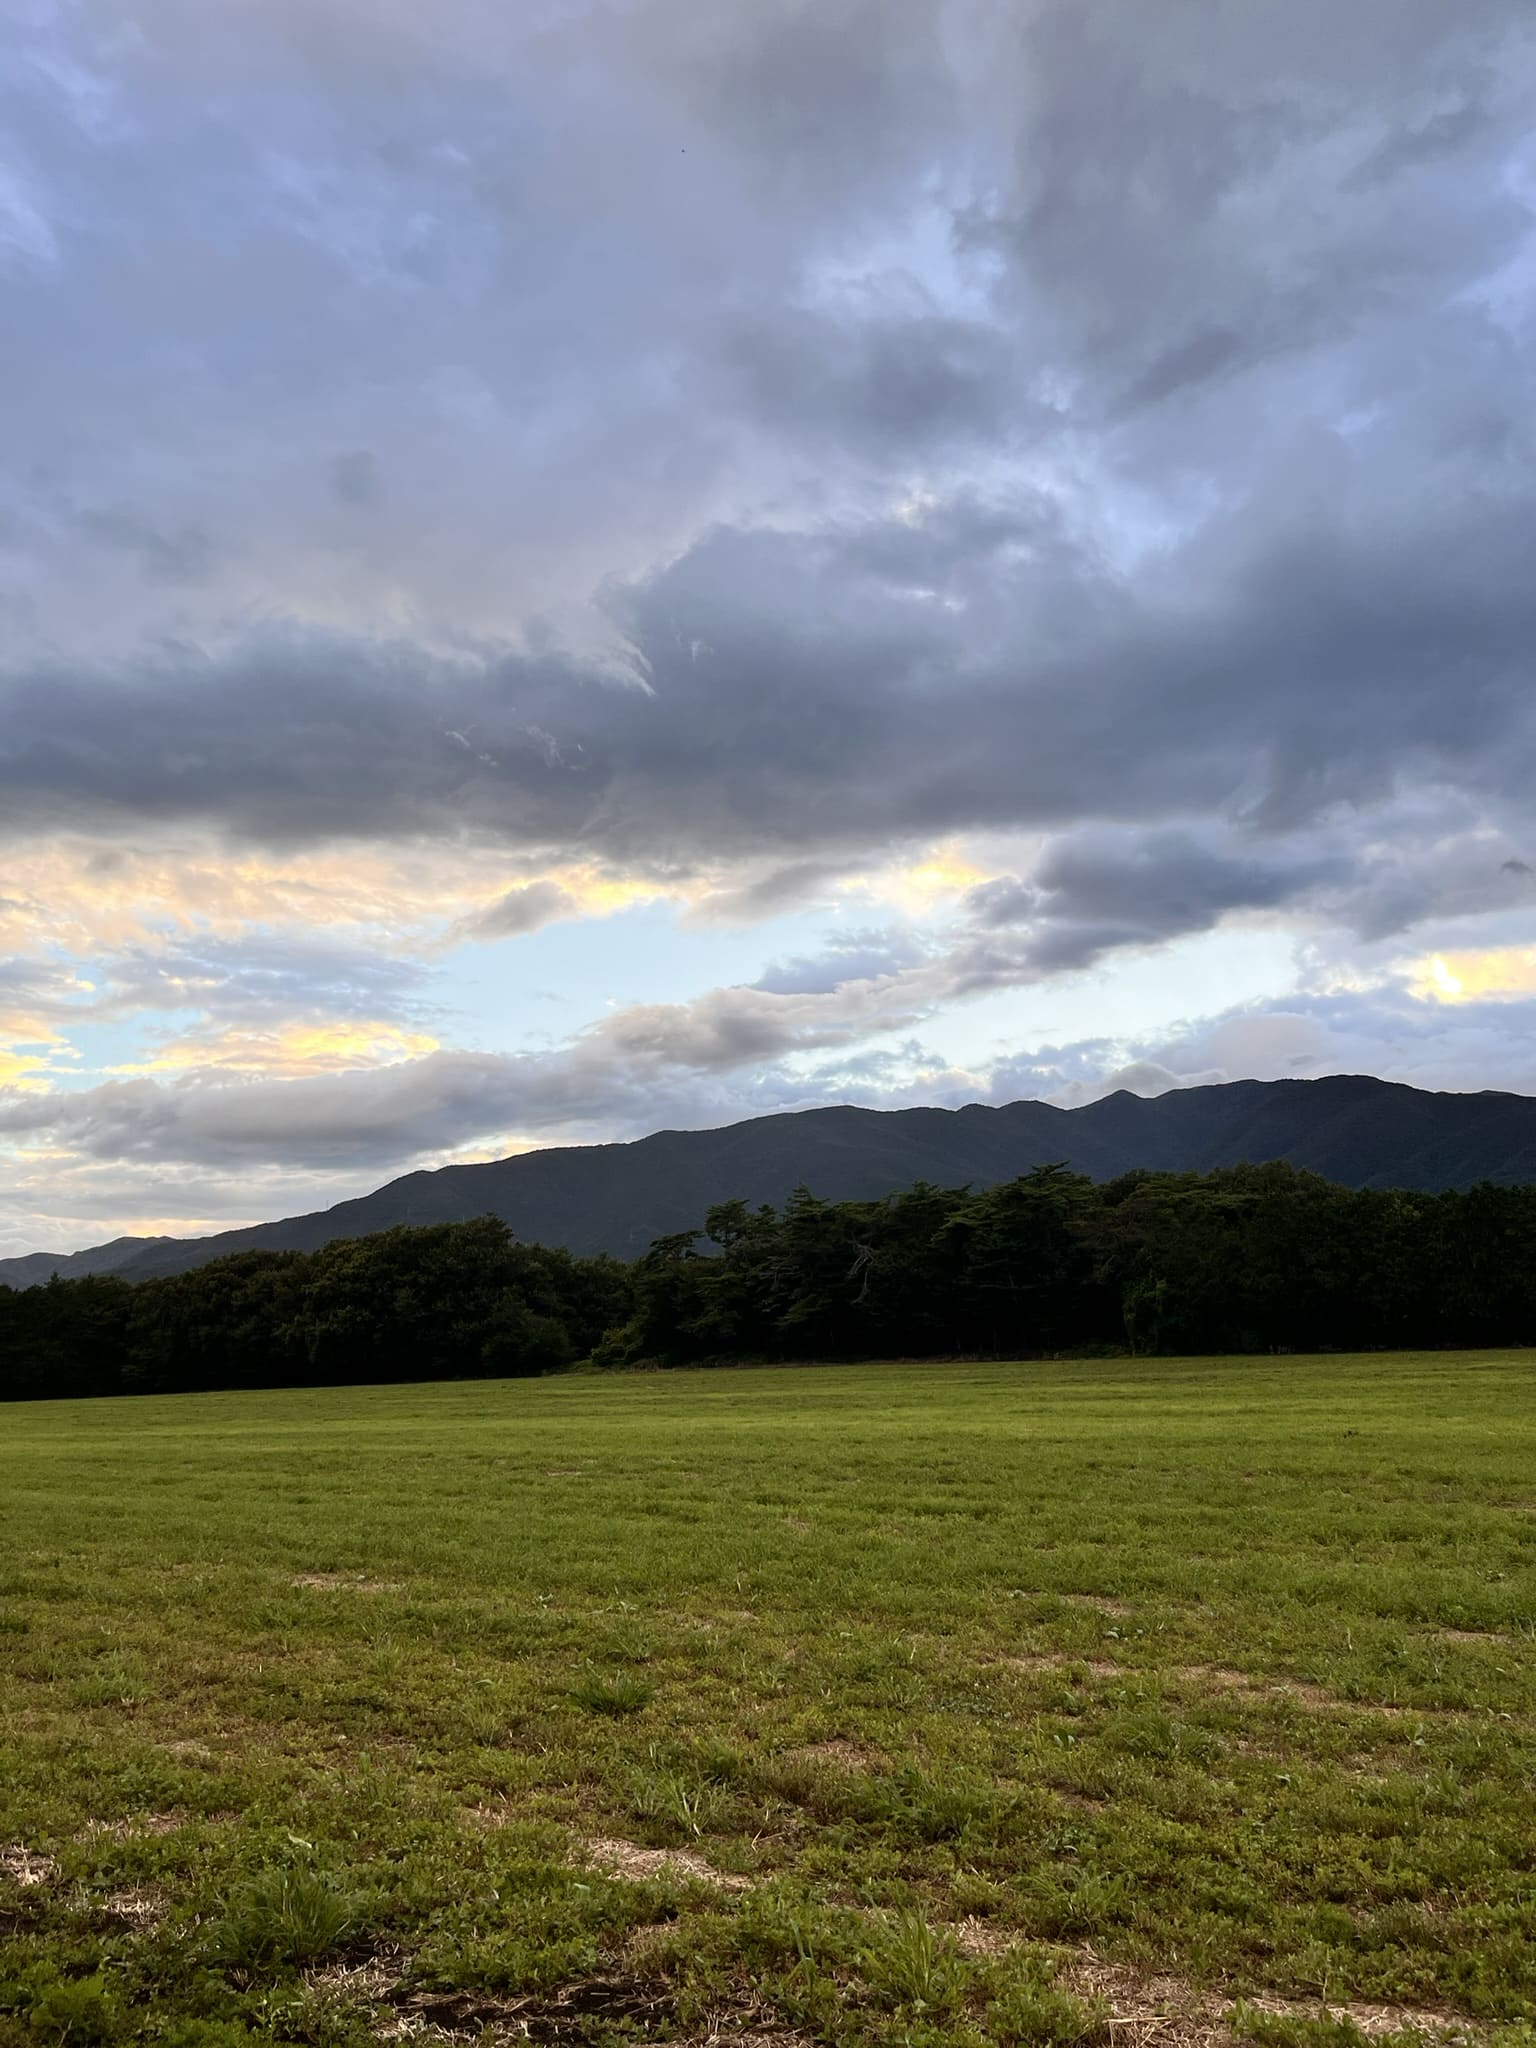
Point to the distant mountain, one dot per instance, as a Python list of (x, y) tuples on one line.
[(618, 1198), (32, 1269)]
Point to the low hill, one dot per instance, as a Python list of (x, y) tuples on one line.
[(618, 1198)]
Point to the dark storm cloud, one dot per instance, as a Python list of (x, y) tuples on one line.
[(870, 682), (1097, 892), (1206, 190), (912, 381), (1074, 416)]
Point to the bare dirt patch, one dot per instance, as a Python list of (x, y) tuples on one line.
[(1065, 1660), (1151, 2007), (136, 1909), (981, 1939), (1216, 1678), (1120, 1609), (630, 1860), (26, 1867), (843, 1756), (1222, 1678), (369, 1983), (132, 1827), (576, 2012), (343, 1582), (1155, 2007), (1469, 1635)]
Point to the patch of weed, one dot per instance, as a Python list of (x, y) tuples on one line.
[(282, 1918), (614, 1693)]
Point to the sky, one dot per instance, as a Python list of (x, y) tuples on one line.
[(569, 569)]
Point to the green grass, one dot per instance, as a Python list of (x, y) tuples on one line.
[(850, 1705)]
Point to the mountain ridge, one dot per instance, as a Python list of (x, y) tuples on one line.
[(1352, 1128)]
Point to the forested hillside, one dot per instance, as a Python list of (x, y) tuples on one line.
[(1243, 1259), (1352, 1129)]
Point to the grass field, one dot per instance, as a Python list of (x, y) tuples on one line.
[(1132, 1702)]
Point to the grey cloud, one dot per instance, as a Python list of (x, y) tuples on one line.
[(1154, 886), (782, 888), (1429, 856), (183, 556), (1428, 864), (738, 229), (526, 908), (723, 1058), (375, 1119), (912, 380), (894, 693), (46, 989), (858, 956), (1381, 1031), (1094, 892), (836, 102), (356, 478), (1193, 359), (1002, 902), (626, 1073), (260, 978), (858, 685), (1147, 161)]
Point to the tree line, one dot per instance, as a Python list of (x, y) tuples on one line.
[(1246, 1259)]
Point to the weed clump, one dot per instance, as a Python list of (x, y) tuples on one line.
[(615, 1694), (910, 1968), (671, 1803), (283, 1918)]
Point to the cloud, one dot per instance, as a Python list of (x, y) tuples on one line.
[(765, 895), (1488, 975), (1095, 892), (980, 246), (857, 956), (871, 682), (181, 557), (327, 1045), (523, 909), (908, 376), (356, 478), (1059, 474)]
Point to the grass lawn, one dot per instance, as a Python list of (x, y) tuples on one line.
[(1142, 1701)]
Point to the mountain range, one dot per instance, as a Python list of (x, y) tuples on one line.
[(618, 1198)]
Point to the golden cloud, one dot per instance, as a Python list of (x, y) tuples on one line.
[(22, 1069), (921, 886), (334, 1046), (83, 894), (1499, 973)]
